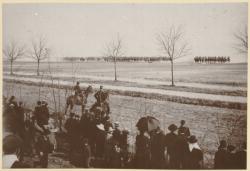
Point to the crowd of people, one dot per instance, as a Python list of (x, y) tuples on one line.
[(94, 141)]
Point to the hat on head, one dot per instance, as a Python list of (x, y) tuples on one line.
[(116, 124), (172, 127), (125, 131), (183, 122), (100, 127), (231, 148), (11, 105), (192, 139), (223, 144), (110, 129), (11, 143), (71, 114)]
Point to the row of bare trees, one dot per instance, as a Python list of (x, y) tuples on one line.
[(38, 52), (171, 42)]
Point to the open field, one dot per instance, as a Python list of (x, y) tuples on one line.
[(223, 74), (209, 124), (208, 97)]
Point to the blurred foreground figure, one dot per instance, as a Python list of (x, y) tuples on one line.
[(12, 152)]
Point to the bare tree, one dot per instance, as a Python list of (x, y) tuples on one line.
[(242, 41), (39, 51), (173, 45), (114, 50), (13, 51)]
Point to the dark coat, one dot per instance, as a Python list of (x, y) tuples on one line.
[(220, 159), (142, 155), (231, 161), (157, 149), (194, 159), (181, 151), (100, 142), (18, 164), (170, 142), (185, 130), (241, 162)]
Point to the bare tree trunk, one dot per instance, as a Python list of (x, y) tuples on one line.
[(172, 71), (38, 66), (11, 67), (115, 68)]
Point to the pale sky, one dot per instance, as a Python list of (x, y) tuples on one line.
[(83, 29)]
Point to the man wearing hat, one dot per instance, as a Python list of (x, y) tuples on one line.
[(231, 157), (220, 156), (77, 89), (100, 95), (170, 143), (11, 152), (157, 147), (241, 157), (194, 158), (117, 132)]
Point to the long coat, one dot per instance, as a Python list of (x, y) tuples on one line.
[(220, 159), (142, 156), (157, 149), (241, 159), (170, 143), (194, 159)]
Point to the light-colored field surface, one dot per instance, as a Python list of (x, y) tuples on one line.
[(223, 82), (229, 74), (209, 124)]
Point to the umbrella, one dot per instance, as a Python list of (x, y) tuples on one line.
[(148, 123)]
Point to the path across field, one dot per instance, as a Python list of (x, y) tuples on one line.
[(141, 81), (208, 98)]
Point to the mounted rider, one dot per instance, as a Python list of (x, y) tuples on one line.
[(101, 99), (100, 95), (77, 89)]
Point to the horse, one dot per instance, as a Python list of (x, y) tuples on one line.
[(101, 109), (78, 100)]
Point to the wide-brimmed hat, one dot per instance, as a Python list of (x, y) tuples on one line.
[(100, 127), (192, 139), (172, 127)]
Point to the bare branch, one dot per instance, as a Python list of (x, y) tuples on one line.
[(242, 41)]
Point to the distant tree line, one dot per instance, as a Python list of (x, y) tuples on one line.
[(118, 59), (211, 59)]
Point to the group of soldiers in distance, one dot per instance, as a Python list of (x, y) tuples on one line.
[(211, 59), (95, 141)]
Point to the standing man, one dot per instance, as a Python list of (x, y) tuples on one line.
[(157, 149), (170, 143), (220, 158), (183, 129)]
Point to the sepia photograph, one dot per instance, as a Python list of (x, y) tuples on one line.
[(124, 85)]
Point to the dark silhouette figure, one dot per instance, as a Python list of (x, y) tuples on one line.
[(170, 142), (221, 156), (183, 129)]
